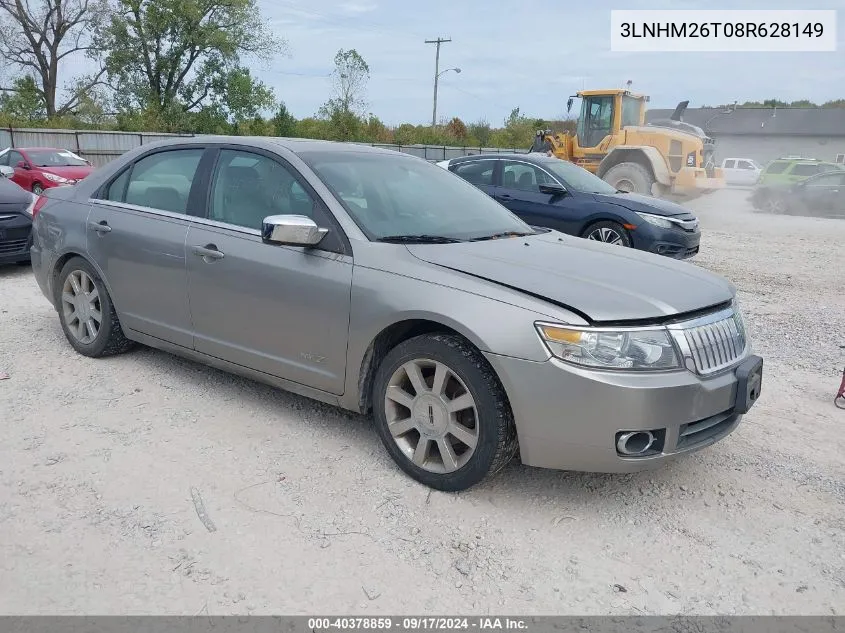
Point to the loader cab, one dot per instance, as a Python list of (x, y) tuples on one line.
[(605, 112)]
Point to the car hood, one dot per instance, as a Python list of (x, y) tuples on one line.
[(605, 283), (74, 173), (645, 204)]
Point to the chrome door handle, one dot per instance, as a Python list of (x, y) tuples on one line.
[(101, 227), (209, 251)]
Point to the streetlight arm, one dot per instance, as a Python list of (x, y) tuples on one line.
[(457, 70)]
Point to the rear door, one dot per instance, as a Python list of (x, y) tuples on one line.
[(136, 235), (480, 172), (282, 310), (520, 192)]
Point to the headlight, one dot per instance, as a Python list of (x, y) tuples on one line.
[(55, 178), (656, 220), (611, 349)]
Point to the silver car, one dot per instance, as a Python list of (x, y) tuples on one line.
[(383, 284)]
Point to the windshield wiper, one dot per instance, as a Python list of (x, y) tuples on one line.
[(418, 239), (496, 236)]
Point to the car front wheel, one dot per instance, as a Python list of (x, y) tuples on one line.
[(441, 412), (609, 232), (86, 311)]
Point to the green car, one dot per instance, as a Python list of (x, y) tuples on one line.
[(781, 173)]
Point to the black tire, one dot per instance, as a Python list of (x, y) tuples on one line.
[(497, 441), (630, 177), (618, 229), (110, 339), (37, 189)]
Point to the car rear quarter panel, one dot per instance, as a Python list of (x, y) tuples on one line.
[(59, 230)]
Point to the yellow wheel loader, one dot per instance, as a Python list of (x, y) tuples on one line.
[(664, 158)]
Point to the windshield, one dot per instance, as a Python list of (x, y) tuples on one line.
[(577, 178), (392, 195), (55, 158)]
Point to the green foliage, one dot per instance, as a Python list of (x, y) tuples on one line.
[(284, 123), (480, 130), (349, 84), (836, 103), (169, 57), (24, 103)]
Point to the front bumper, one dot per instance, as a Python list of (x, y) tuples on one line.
[(674, 243), (570, 418), (15, 240)]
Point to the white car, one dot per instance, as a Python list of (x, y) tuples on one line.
[(741, 171)]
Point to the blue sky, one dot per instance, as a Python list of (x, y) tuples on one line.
[(527, 53)]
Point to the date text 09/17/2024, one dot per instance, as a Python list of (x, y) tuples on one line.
[(417, 623)]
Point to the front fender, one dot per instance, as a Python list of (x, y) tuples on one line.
[(491, 325)]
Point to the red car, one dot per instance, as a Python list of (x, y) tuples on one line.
[(39, 168)]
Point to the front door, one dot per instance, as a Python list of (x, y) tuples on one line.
[(520, 192), (278, 309), (136, 235), (826, 193)]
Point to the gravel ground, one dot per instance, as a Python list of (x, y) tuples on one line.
[(100, 461)]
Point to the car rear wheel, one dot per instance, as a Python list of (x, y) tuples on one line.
[(37, 189), (609, 232), (441, 412), (86, 311)]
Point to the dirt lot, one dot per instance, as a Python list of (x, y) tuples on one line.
[(99, 458)]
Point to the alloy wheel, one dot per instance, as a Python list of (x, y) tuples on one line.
[(81, 306), (605, 234), (431, 416)]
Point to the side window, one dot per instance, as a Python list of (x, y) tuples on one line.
[(827, 180), (4, 158), (523, 177), (163, 180), (477, 172), (805, 169), (744, 164), (730, 164), (249, 187), (117, 188), (15, 158), (777, 167)]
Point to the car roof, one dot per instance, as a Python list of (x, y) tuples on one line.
[(539, 159), (296, 145)]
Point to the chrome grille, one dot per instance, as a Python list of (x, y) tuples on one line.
[(713, 344)]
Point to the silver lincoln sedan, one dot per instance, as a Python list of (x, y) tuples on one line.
[(377, 282)]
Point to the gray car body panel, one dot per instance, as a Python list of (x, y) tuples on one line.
[(568, 270), (312, 332)]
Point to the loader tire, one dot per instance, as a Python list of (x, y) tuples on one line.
[(630, 177)]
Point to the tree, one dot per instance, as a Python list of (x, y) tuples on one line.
[(803, 103), (457, 129), (36, 36), (284, 123), (836, 103), (23, 102), (349, 84), (480, 130), (182, 55)]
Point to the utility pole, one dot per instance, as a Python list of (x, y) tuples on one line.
[(438, 41)]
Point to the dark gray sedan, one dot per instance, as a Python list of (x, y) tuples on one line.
[(377, 282)]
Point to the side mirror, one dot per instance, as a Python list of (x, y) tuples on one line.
[(6, 171), (291, 230), (22, 165), (552, 188)]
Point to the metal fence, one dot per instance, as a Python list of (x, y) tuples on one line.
[(100, 147)]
